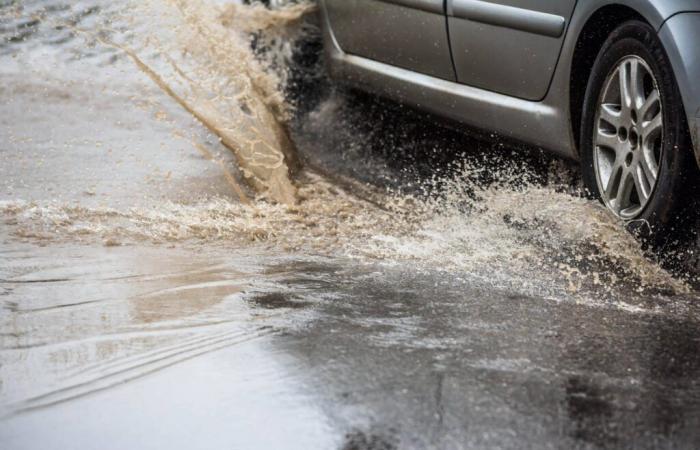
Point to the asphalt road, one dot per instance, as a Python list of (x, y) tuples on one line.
[(142, 306)]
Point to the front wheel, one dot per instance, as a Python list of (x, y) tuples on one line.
[(635, 149)]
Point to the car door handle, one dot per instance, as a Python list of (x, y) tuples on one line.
[(513, 17), (431, 6)]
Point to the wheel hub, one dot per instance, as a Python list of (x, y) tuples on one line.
[(628, 137)]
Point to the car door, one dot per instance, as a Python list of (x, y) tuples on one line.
[(508, 46), (411, 34)]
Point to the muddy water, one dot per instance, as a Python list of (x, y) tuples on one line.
[(199, 54), (186, 202)]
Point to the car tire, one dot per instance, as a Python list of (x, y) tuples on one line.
[(636, 53)]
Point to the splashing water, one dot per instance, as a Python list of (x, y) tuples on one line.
[(214, 75), (532, 237), (517, 232)]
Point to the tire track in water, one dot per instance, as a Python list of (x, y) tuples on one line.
[(189, 287), (26, 278), (122, 360), (123, 370), (107, 337)]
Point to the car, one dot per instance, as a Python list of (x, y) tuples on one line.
[(614, 84)]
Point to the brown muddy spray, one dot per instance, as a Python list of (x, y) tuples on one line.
[(239, 101), (200, 55)]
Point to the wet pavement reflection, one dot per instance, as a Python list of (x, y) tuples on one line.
[(454, 366), (321, 353)]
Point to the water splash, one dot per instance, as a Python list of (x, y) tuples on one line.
[(517, 231), (215, 75), (535, 237)]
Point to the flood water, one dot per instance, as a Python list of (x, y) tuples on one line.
[(205, 243)]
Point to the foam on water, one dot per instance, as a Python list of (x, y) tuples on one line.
[(534, 237)]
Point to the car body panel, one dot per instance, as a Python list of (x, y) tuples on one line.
[(681, 38), (508, 46), (544, 123), (656, 12), (471, 106), (404, 33)]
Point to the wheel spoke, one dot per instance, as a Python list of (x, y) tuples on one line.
[(652, 128), (623, 200), (611, 114), (625, 96), (612, 189), (607, 140), (648, 164), (636, 84), (649, 108), (641, 184)]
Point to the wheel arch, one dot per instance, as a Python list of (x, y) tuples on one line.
[(593, 22), (598, 26)]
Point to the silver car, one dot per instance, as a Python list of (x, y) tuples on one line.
[(614, 84)]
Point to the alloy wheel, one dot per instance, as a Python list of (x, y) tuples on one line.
[(628, 137)]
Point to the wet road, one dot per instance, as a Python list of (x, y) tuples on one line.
[(143, 306)]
